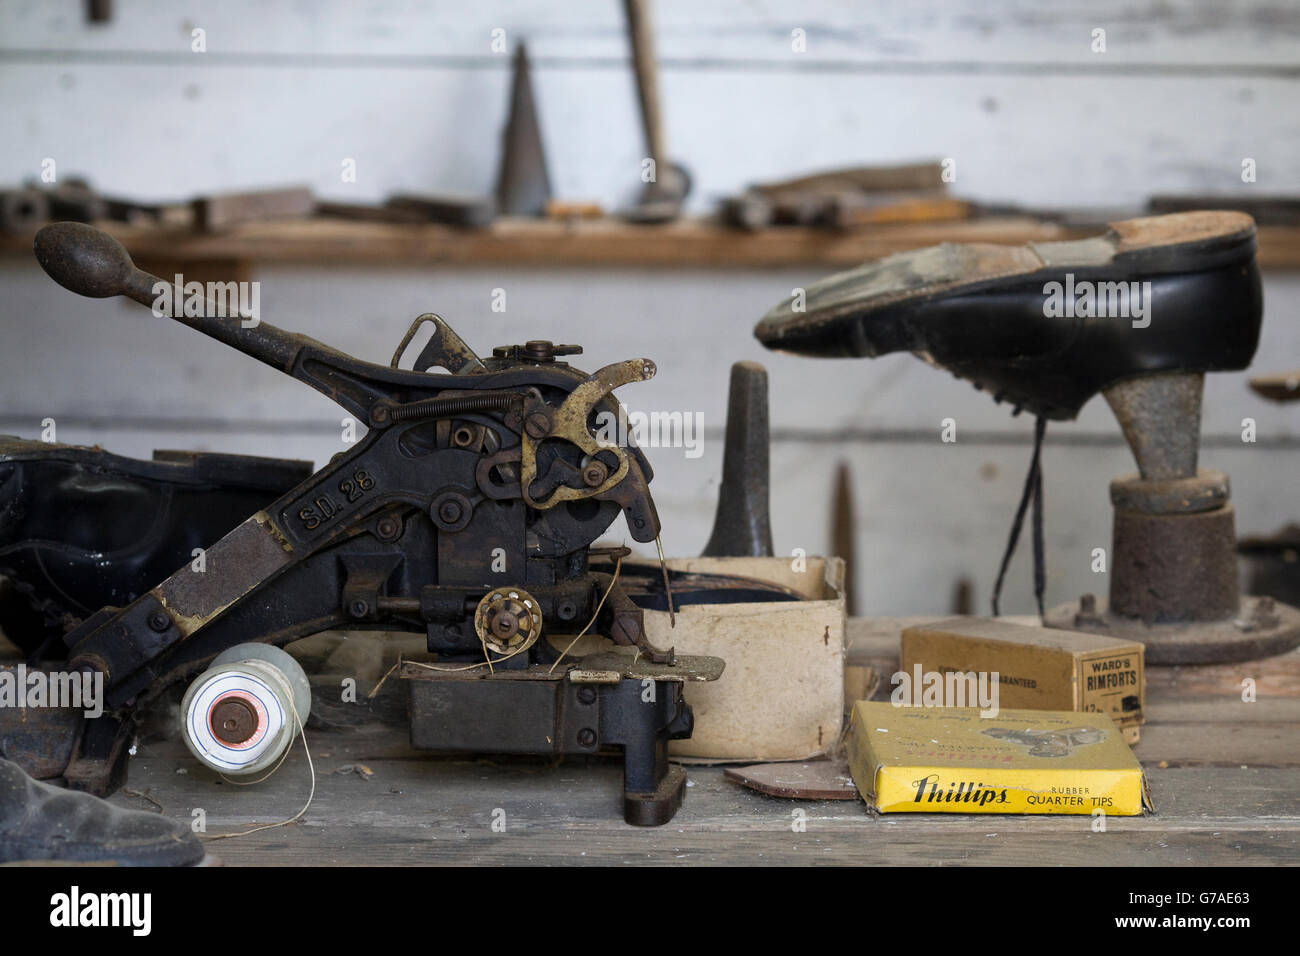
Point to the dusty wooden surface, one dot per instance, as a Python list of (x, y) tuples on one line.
[(1224, 774)]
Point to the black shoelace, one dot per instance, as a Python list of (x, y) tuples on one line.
[(1033, 493)]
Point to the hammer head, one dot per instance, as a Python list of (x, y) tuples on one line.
[(661, 200)]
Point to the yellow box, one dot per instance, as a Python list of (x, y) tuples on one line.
[(952, 760)]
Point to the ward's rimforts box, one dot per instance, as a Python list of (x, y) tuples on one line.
[(952, 760), (1038, 668)]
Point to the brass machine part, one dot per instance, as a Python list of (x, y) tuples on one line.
[(569, 422), (508, 621)]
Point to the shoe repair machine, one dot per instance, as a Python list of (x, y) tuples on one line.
[(467, 511)]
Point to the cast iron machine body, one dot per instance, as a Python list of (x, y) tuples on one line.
[(466, 512)]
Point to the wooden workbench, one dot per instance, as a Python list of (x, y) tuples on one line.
[(1224, 775)]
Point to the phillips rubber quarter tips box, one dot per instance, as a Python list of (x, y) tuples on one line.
[(952, 760), (1038, 667)]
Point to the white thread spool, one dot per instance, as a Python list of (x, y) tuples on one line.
[(238, 715)]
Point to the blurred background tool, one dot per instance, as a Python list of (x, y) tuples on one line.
[(847, 198), (447, 208), (842, 532), (222, 211), (523, 185), (662, 197)]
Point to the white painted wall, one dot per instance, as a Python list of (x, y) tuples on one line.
[(413, 92)]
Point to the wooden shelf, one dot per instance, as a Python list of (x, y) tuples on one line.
[(687, 243)]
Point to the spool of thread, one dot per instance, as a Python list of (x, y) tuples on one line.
[(239, 716)]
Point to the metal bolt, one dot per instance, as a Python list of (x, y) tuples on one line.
[(233, 720), (586, 695), (379, 414), (595, 473), (449, 511), (539, 350), (587, 737), (159, 621), (387, 528), (359, 608), (537, 425)]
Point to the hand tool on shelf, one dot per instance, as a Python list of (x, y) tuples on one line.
[(523, 184), (662, 197)]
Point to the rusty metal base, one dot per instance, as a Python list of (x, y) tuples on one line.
[(656, 808), (1238, 638)]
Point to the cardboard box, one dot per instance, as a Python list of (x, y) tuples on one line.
[(781, 696), (1038, 668), (952, 760)]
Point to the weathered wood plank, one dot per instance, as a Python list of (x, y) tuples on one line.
[(694, 243), (555, 244), (437, 810)]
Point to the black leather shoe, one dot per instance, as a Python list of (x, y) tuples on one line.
[(1048, 325), (42, 822)]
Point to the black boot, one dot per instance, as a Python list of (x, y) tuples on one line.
[(42, 822)]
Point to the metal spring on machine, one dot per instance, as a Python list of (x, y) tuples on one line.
[(458, 405)]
